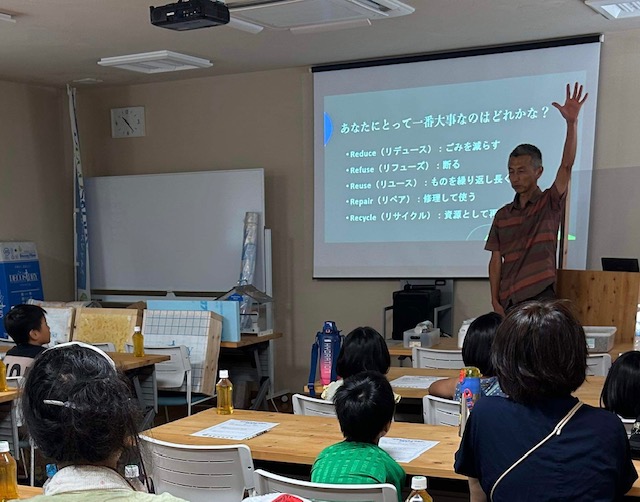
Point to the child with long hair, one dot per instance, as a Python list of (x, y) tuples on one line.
[(363, 349), (79, 412), (476, 351)]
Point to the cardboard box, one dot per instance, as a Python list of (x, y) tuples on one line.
[(20, 278)]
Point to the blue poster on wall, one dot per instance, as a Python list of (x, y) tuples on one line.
[(20, 278)]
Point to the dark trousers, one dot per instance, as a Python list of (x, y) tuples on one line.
[(548, 293)]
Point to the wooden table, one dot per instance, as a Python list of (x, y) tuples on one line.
[(247, 340), (25, 492), (589, 392), (620, 348), (397, 349), (261, 350), (124, 360), (8, 396), (399, 371), (141, 371), (283, 443), (127, 362)]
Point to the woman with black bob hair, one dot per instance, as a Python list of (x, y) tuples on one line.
[(78, 411), (363, 349), (541, 443), (621, 390), (476, 351)]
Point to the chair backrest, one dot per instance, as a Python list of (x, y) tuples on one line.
[(305, 405), (201, 473), (628, 424), (440, 411), (598, 364), (11, 417), (434, 358), (169, 374), (16, 382), (106, 346), (266, 482)]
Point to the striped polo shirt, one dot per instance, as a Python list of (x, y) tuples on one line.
[(527, 240)]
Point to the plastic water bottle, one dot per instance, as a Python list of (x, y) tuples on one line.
[(419, 490), (132, 475), (51, 470), (469, 393), (138, 342), (8, 474), (636, 336), (224, 389)]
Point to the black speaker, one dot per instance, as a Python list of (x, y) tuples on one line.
[(412, 305)]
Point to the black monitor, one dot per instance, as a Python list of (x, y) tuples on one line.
[(620, 265)]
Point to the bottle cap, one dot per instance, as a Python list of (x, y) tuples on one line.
[(137, 329), (131, 471), (51, 470), (224, 373), (4, 446), (419, 483)]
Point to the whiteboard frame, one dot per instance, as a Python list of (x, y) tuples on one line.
[(132, 251)]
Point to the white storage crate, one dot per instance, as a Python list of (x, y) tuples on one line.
[(428, 339), (599, 338)]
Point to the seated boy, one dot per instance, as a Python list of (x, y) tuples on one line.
[(28, 327), (365, 405)]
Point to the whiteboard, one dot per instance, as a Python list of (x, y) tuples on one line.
[(172, 232)]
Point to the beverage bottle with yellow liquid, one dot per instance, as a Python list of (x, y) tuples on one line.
[(8, 474), (3, 377), (419, 490), (138, 342), (224, 389)]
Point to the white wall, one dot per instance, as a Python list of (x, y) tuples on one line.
[(265, 120), (36, 180)]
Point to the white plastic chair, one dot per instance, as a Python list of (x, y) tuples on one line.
[(598, 364), (435, 358), (305, 405), (628, 424), (440, 411), (171, 375), (15, 382), (267, 482), (201, 473), (106, 346)]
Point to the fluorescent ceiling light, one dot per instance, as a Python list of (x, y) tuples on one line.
[(339, 25), (87, 80), (239, 24), (615, 10), (156, 62), (7, 17)]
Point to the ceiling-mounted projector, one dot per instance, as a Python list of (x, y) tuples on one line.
[(190, 15)]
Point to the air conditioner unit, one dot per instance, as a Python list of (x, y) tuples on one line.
[(314, 15)]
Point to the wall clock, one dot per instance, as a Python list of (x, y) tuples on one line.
[(127, 122)]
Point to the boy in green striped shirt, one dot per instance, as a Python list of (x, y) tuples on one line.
[(365, 406)]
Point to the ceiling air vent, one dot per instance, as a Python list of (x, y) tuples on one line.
[(156, 62), (314, 15)]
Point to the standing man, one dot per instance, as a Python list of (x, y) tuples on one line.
[(524, 235)]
